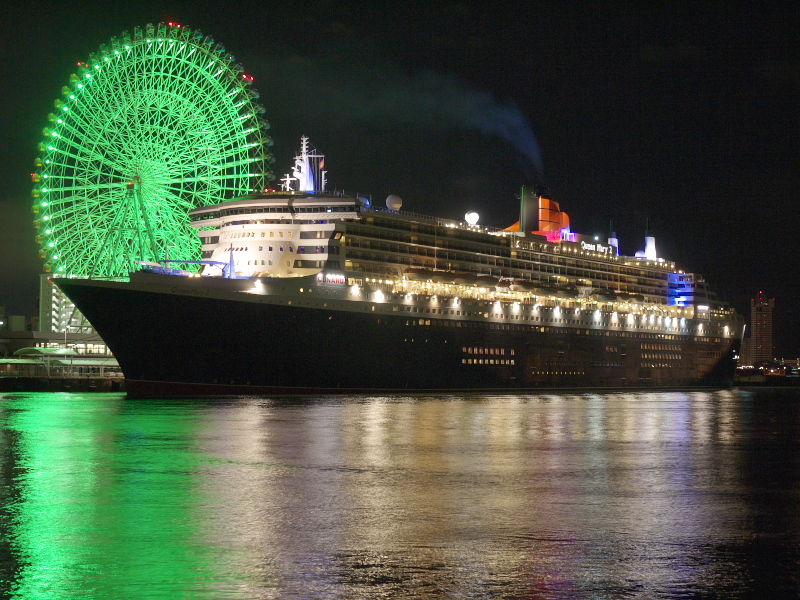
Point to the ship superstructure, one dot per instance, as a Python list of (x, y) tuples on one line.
[(294, 233)]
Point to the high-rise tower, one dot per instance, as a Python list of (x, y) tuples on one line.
[(761, 348)]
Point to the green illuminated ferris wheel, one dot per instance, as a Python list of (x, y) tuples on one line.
[(158, 122)]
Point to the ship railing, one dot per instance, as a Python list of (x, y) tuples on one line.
[(440, 221), (97, 277)]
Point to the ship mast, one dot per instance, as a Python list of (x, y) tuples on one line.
[(308, 174)]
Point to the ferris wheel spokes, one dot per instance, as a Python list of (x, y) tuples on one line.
[(164, 107)]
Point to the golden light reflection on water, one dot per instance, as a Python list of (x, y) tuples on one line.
[(485, 496)]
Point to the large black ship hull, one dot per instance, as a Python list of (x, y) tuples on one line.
[(189, 341)]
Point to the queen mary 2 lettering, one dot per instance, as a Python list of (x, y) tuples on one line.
[(306, 291), (595, 247)]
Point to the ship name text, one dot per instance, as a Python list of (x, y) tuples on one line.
[(596, 247), (336, 278)]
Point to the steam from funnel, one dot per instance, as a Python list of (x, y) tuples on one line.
[(380, 95)]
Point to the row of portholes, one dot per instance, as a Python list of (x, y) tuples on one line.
[(487, 361), (661, 356), (675, 348), (483, 350), (260, 249), (250, 234), (558, 373)]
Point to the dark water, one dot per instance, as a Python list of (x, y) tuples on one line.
[(647, 495)]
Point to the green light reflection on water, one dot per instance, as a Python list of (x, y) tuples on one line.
[(104, 501), (549, 495)]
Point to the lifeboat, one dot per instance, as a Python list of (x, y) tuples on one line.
[(637, 298), (604, 294), (567, 291), (418, 274), (465, 278), (444, 277), (521, 285), (487, 281), (542, 289)]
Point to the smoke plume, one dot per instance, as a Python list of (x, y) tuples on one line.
[(350, 91)]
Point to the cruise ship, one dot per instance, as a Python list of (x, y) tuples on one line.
[(307, 291)]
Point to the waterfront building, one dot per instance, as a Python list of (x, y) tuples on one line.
[(56, 312), (761, 343)]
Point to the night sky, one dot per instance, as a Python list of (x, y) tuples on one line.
[(687, 113)]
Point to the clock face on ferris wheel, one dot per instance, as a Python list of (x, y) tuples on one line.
[(154, 124)]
